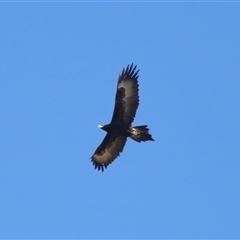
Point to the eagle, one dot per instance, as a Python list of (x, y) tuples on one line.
[(119, 129)]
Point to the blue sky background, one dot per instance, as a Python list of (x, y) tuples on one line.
[(59, 65)]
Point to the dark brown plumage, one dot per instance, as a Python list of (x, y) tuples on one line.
[(126, 104)]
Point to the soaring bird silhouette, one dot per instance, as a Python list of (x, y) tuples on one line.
[(126, 104)]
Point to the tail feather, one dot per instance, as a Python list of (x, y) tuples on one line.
[(140, 134)]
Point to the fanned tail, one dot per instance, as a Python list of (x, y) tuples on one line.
[(140, 134)]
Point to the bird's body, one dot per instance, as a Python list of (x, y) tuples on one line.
[(119, 129)]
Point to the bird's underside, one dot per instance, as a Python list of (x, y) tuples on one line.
[(119, 129)]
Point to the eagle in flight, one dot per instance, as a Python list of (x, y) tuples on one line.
[(119, 129)]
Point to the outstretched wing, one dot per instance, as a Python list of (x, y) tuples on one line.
[(127, 98), (108, 150)]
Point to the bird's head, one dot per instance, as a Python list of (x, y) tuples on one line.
[(101, 125), (104, 127)]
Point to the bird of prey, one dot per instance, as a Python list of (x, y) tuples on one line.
[(119, 129)]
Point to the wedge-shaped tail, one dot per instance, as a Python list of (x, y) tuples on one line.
[(140, 134)]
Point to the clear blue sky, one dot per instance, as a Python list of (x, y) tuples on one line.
[(59, 65)]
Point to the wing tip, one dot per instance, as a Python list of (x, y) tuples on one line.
[(98, 166), (130, 72)]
